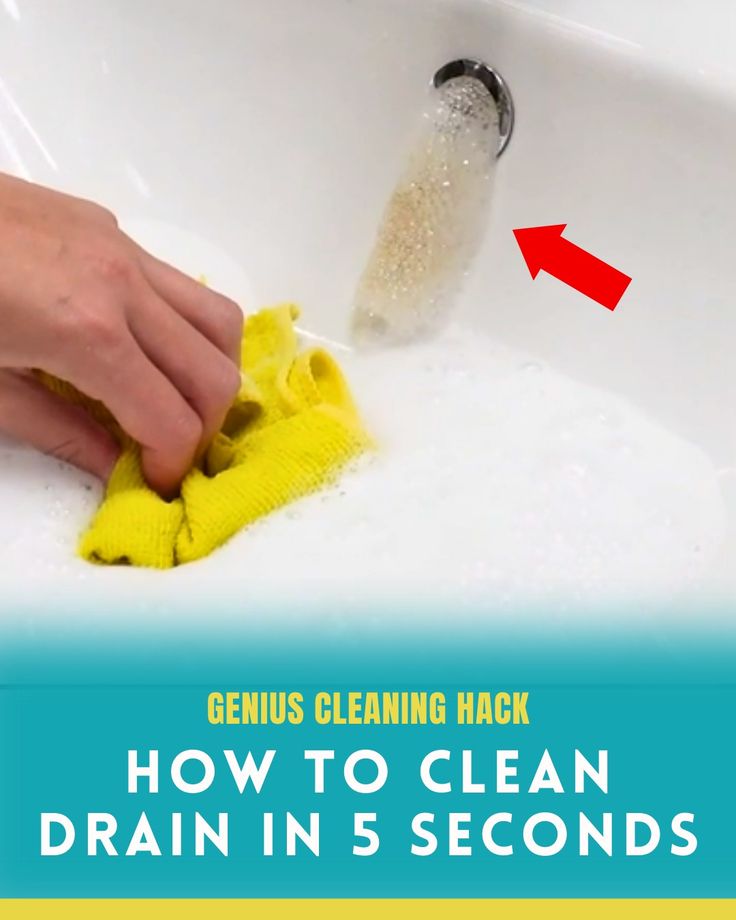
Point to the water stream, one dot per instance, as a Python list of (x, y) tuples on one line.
[(434, 220)]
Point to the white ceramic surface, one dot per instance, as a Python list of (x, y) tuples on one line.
[(257, 142)]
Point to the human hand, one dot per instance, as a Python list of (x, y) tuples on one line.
[(80, 300)]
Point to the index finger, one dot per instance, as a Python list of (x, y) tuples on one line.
[(148, 408), (215, 316)]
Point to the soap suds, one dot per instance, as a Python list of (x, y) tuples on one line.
[(497, 478), (435, 219)]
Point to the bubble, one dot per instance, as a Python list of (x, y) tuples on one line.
[(434, 221)]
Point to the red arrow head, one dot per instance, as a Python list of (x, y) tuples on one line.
[(536, 244)]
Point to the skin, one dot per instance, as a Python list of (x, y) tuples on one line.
[(80, 300)]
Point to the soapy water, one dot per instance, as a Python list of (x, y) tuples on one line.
[(434, 221), (497, 478)]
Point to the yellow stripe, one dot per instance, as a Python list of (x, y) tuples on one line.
[(367, 909)]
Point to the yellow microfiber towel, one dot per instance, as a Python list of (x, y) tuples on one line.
[(292, 428)]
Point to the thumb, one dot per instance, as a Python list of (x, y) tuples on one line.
[(31, 413)]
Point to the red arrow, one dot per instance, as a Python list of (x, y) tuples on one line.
[(544, 249)]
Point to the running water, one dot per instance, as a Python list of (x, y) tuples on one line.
[(435, 219), (500, 483)]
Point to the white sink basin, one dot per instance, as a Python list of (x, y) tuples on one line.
[(258, 142)]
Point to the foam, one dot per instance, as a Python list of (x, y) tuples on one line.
[(435, 218), (497, 478)]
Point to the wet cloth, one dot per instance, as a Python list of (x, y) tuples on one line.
[(292, 428)]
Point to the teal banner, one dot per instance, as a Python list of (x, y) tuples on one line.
[(545, 771)]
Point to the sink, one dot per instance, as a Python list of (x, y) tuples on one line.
[(257, 144)]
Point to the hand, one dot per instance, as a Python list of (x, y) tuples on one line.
[(80, 300)]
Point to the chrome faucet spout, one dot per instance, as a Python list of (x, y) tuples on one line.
[(494, 83)]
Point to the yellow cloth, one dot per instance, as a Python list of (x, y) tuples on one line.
[(292, 428)]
